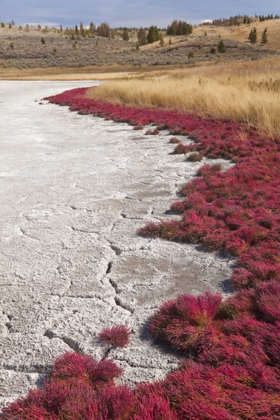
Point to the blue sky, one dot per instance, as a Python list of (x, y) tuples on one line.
[(128, 13)]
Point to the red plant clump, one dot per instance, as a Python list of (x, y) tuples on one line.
[(174, 140), (236, 331), (116, 336), (182, 149), (154, 132), (195, 157), (235, 343), (73, 391)]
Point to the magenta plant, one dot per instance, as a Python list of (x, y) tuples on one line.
[(117, 336)]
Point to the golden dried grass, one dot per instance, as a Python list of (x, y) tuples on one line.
[(248, 92)]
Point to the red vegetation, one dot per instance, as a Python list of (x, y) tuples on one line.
[(235, 343), (174, 140), (73, 392), (182, 149), (152, 132), (116, 336), (195, 157), (138, 127)]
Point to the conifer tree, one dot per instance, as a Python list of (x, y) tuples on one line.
[(125, 35), (104, 30), (264, 37), (250, 36), (82, 30), (153, 34), (221, 47), (253, 36), (142, 36), (92, 28)]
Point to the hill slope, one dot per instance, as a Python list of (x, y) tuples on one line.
[(241, 33), (36, 49)]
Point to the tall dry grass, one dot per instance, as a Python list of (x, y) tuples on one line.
[(245, 92)]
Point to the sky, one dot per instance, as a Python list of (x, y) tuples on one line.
[(128, 13)]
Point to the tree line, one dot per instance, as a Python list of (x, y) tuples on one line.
[(144, 35), (239, 19), (153, 33)]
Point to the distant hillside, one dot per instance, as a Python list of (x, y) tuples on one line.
[(241, 32), (34, 48)]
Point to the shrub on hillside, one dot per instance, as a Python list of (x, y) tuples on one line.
[(221, 47)]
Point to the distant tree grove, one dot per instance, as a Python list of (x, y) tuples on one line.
[(239, 19), (153, 34), (88, 32), (179, 27)]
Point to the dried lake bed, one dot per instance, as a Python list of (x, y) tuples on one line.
[(74, 191)]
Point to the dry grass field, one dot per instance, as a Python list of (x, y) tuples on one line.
[(248, 92)]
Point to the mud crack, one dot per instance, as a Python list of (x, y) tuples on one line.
[(27, 369), (73, 344)]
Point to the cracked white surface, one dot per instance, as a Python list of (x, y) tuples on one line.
[(74, 191)]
